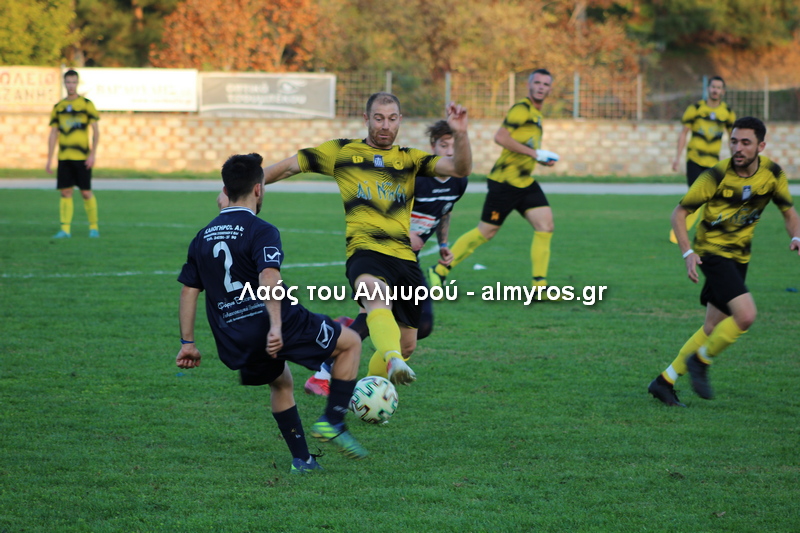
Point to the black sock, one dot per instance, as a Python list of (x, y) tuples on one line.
[(339, 400), (292, 431), (359, 325)]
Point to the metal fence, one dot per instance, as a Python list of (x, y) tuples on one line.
[(588, 96)]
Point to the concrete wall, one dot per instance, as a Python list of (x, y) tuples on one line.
[(169, 142)]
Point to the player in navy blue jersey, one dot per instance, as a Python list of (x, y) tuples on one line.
[(433, 201), (257, 326)]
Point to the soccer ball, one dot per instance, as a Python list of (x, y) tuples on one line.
[(374, 400)]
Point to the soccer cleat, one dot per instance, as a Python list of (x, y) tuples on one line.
[(305, 467), (434, 279), (698, 372), (346, 321), (542, 296), (338, 436), (94, 234), (319, 387), (62, 235), (399, 372), (663, 390)]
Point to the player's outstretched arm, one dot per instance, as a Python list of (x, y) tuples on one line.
[(792, 221), (460, 165), (282, 170), (189, 355), (270, 278)]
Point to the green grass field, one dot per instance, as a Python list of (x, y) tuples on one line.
[(523, 418)]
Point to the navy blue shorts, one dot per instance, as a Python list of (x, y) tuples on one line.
[(503, 198), (308, 341)]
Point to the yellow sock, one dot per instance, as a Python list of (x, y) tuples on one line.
[(723, 336), (384, 332), (377, 366), (66, 208), (678, 366), (463, 248), (540, 256), (91, 211)]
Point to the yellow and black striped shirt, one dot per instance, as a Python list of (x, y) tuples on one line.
[(524, 123), (377, 188), (73, 117), (734, 206), (708, 124)]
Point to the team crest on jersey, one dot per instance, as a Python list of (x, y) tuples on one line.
[(325, 335), (398, 165), (746, 192), (727, 193), (358, 159), (377, 161)]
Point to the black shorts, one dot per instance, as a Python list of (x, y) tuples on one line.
[(693, 171), (400, 273), (309, 341), (502, 198), (74, 174), (724, 281)]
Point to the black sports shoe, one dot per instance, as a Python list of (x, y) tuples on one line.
[(663, 390), (698, 371)]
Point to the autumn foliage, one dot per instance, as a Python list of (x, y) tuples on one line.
[(239, 35)]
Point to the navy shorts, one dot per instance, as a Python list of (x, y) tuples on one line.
[(307, 341), (724, 281), (400, 273), (73, 174), (503, 198)]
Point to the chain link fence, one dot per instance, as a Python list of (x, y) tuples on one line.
[(580, 96)]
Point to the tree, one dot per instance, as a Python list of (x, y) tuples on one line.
[(35, 32), (240, 35), (118, 33)]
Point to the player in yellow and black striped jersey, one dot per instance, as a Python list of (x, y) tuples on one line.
[(69, 128), (512, 187), (735, 191), (377, 187), (707, 120), (376, 179)]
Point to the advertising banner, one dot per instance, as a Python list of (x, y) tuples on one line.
[(139, 89), (29, 89), (291, 94)]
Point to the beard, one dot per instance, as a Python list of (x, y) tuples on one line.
[(745, 162)]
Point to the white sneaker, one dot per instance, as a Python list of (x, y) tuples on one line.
[(399, 372)]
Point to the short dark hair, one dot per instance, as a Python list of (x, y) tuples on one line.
[(752, 123), (543, 71), (71, 72), (437, 130), (716, 78), (240, 173), (382, 98)]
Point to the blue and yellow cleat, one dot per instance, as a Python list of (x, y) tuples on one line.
[(305, 467), (94, 234), (338, 435), (62, 235)]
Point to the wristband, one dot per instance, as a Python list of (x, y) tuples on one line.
[(186, 342), (688, 253), (795, 239), (446, 245)]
